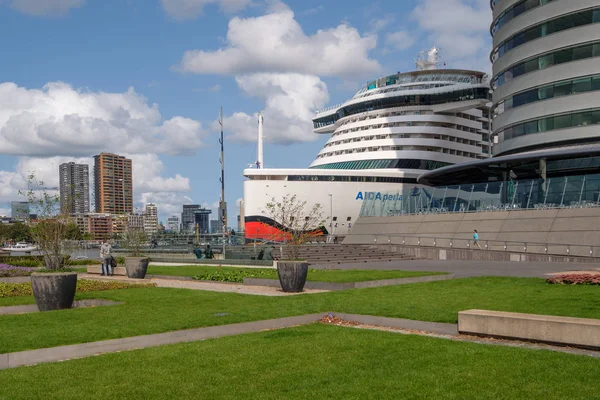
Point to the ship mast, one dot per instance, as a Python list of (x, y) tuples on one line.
[(259, 155)]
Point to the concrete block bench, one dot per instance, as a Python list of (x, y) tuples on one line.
[(576, 332), (97, 269)]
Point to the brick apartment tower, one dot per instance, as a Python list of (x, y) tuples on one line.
[(74, 188), (113, 184)]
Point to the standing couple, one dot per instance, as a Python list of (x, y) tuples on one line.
[(106, 256)]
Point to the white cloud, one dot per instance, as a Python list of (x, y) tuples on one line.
[(215, 89), (275, 42), (459, 27), (290, 103), (60, 120), (148, 182), (400, 40), (166, 203), (378, 24), (43, 7), (190, 9)]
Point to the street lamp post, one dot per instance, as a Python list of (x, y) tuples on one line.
[(331, 213)]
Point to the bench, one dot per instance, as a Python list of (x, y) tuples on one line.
[(568, 331)]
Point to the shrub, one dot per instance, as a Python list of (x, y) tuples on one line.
[(16, 261), (575, 279), (236, 276), (24, 289), (12, 270)]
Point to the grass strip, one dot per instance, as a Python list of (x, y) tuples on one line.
[(232, 274), (156, 310), (313, 362)]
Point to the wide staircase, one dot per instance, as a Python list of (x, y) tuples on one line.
[(323, 253)]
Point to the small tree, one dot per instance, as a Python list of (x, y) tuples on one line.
[(298, 222), (52, 228), (135, 239)]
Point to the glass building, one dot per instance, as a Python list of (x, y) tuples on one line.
[(555, 178)]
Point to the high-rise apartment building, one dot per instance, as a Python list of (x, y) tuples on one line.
[(188, 219), (546, 74), (19, 210), (113, 183), (151, 219), (74, 188)]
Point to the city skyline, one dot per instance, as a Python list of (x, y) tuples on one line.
[(158, 105)]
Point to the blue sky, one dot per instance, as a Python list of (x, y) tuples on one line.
[(120, 81)]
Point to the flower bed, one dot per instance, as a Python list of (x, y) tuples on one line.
[(83, 285), (575, 279), (7, 270)]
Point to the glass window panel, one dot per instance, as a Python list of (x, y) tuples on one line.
[(596, 83), (582, 52), (563, 56), (546, 92), (545, 124), (582, 18), (530, 127), (563, 23), (562, 89), (582, 85), (546, 61), (562, 122), (582, 119), (596, 16), (596, 117), (531, 65)]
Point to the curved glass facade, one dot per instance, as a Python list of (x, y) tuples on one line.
[(546, 28), (558, 89), (534, 184), (563, 121), (546, 61), (516, 10), (384, 164), (403, 101)]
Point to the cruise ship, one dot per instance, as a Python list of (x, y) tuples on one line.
[(389, 133)]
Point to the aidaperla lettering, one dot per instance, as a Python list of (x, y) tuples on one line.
[(378, 196)]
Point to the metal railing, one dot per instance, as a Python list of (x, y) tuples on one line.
[(525, 247)]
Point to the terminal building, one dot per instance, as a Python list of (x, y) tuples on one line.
[(543, 182)]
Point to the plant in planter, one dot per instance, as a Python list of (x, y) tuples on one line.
[(135, 264), (298, 224), (53, 287)]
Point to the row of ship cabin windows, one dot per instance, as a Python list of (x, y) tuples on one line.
[(404, 136), (516, 10)]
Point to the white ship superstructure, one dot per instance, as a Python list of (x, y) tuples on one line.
[(393, 130)]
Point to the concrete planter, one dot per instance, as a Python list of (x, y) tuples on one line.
[(136, 267), (54, 291), (292, 275)]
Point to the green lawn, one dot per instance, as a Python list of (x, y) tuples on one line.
[(156, 310), (313, 362), (338, 276)]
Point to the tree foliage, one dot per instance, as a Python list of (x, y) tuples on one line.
[(52, 228), (299, 222)]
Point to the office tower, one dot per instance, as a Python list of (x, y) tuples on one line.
[(201, 218), (173, 224), (113, 184), (151, 219), (19, 210), (74, 188), (188, 219), (546, 74)]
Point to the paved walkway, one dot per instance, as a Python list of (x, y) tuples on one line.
[(173, 264), (209, 286), (464, 269)]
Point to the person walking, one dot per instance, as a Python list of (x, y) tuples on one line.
[(476, 239), (105, 254)]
